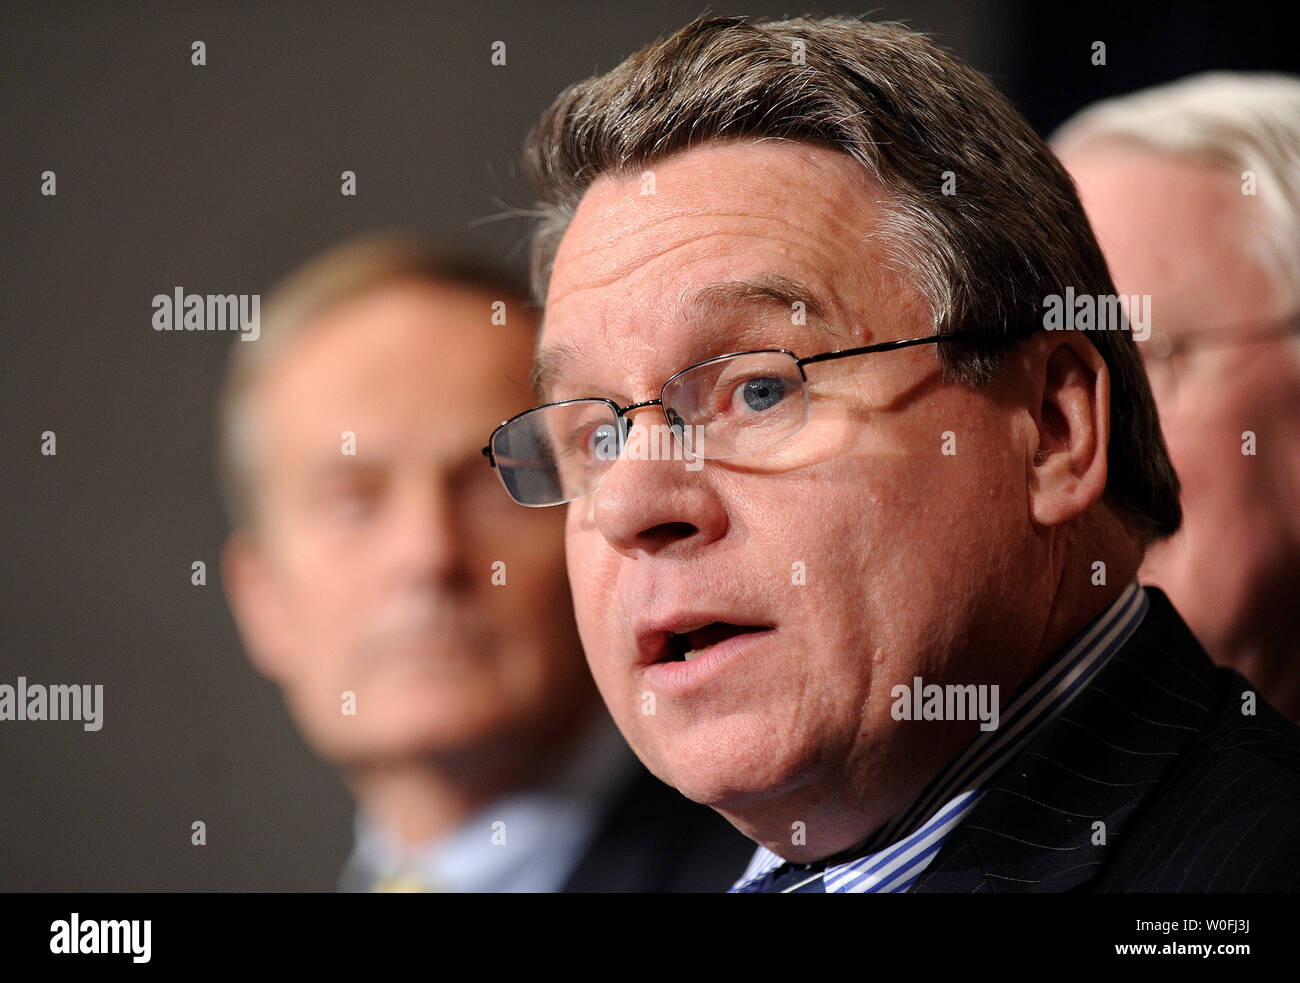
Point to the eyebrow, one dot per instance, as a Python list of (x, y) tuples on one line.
[(769, 290), (548, 365), (765, 289)]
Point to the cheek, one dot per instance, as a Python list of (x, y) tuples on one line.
[(593, 572), (574, 562), (1205, 442), (328, 577), (529, 558), (324, 600)]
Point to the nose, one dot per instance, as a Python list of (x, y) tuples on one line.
[(650, 501), (424, 539)]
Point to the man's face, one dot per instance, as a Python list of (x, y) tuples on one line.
[(1178, 231), (402, 572), (863, 553)]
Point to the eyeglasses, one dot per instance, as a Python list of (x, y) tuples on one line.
[(1162, 352), (720, 408)]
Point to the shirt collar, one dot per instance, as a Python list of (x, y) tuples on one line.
[(529, 840)]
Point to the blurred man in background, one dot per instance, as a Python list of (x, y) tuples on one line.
[(1193, 189), (419, 624)]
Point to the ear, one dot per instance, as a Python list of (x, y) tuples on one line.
[(1070, 385), (255, 602)]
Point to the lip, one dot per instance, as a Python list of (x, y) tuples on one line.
[(652, 636), (680, 678), (674, 677)]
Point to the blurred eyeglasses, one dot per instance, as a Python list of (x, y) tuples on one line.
[(720, 408), (1165, 355)]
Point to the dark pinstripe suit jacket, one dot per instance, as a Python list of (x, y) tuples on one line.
[(1193, 794)]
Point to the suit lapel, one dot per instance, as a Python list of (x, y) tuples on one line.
[(1051, 818)]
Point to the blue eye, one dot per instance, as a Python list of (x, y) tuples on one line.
[(761, 394), (603, 442)]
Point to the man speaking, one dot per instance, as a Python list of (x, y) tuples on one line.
[(890, 629)]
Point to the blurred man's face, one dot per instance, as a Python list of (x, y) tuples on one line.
[(1180, 231), (856, 553), (373, 573)]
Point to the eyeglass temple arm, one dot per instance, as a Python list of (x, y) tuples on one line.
[(1211, 337), (885, 346)]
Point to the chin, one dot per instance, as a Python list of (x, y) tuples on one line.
[(394, 746), (726, 771), (427, 727), (437, 727)]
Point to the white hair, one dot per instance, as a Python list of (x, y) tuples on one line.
[(1246, 122)]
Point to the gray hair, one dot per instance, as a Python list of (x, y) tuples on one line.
[(342, 273), (1245, 122), (985, 259)]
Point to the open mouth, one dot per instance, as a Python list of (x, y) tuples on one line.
[(687, 645)]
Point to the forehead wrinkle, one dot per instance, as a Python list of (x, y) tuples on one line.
[(774, 291), (606, 274)]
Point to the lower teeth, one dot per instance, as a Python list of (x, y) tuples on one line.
[(694, 654)]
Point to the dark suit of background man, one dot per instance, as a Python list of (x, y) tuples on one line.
[(885, 598), (420, 626)]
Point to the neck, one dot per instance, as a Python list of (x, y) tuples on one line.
[(1262, 647), (425, 797), (1083, 591)]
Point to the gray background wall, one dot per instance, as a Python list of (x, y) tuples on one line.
[(220, 179)]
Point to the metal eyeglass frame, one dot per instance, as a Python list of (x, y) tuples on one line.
[(620, 412)]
